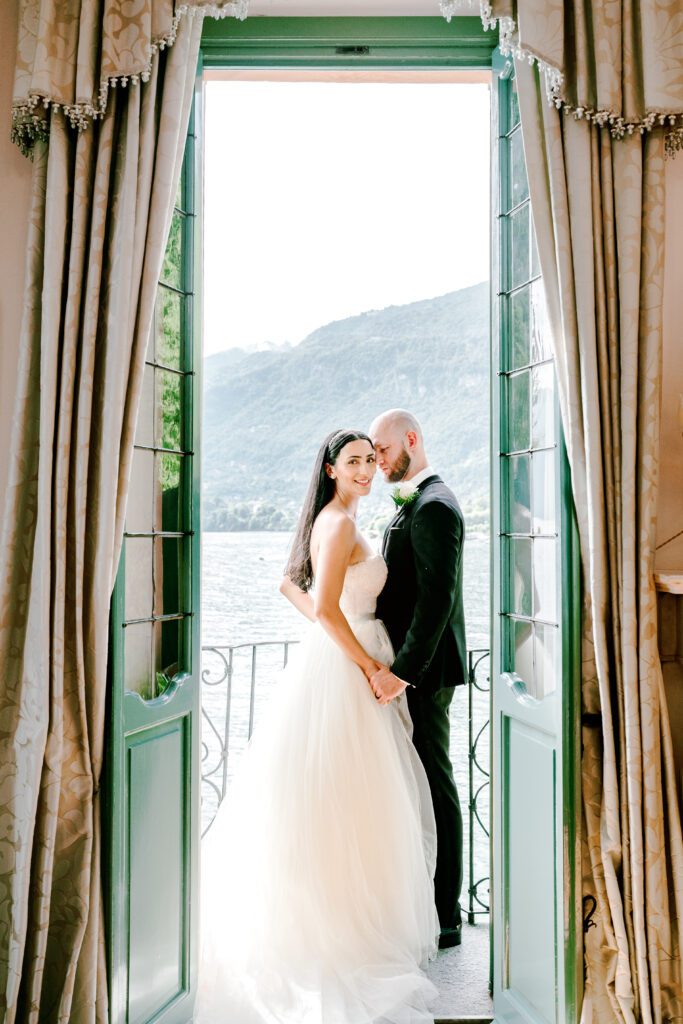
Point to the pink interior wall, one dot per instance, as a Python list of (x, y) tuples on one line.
[(670, 511), (670, 507)]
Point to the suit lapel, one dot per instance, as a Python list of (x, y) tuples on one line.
[(400, 514), (401, 511), (387, 532)]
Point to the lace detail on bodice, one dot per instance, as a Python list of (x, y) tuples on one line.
[(363, 584)]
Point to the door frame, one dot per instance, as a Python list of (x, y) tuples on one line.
[(431, 43), (349, 44)]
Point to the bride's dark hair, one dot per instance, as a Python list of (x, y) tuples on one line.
[(320, 492)]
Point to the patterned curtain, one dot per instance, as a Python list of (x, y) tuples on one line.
[(618, 65), (601, 97), (70, 56), (598, 207), (106, 169)]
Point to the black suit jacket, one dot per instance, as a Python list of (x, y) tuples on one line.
[(421, 604)]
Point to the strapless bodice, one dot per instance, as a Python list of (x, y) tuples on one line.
[(363, 584)]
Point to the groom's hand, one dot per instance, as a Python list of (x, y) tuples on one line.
[(386, 686)]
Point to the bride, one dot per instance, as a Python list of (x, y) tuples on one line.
[(317, 873)]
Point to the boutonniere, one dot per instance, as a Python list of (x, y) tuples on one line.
[(405, 493)]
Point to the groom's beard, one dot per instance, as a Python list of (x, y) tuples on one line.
[(399, 468)]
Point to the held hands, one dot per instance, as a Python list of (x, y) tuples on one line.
[(385, 685)]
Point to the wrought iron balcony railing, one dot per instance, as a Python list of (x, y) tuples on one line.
[(236, 681), (478, 777)]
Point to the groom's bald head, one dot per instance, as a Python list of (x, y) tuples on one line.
[(399, 445), (398, 421)]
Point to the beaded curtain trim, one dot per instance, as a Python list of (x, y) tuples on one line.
[(671, 121), (30, 121)]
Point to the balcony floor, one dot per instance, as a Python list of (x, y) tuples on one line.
[(461, 975)]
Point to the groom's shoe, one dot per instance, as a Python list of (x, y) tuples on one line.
[(450, 937)]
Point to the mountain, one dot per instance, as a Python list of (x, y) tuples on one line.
[(220, 367), (266, 412)]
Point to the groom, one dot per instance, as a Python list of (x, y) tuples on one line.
[(422, 608)]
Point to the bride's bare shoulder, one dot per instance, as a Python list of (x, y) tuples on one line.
[(334, 522), (334, 531)]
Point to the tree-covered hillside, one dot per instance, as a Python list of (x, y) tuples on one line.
[(266, 412)]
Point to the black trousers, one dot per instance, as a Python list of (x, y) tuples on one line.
[(431, 736)]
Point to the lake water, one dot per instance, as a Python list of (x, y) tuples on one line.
[(241, 605)]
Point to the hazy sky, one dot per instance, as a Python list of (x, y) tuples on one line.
[(323, 200)]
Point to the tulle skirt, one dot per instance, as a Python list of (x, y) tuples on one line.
[(317, 873)]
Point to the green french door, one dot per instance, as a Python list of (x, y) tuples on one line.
[(535, 588), (153, 765), (153, 775)]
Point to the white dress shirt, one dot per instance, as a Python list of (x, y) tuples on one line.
[(422, 475)]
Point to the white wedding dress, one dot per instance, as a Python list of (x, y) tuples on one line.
[(317, 873)]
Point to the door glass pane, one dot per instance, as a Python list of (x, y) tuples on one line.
[(169, 574), (540, 334), (168, 498), (144, 430), (519, 261), (168, 645), (535, 264), (543, 491), (513, 110), (545, 657), (138, 659), (519, 329), (140, 507), (545, 579), (168, 327), (518, 412), (523, 663), (519, 495), (139, 577), (169, 410), (171, 272), (155, 578), (542, 406), (520, 577), (519, 189)]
